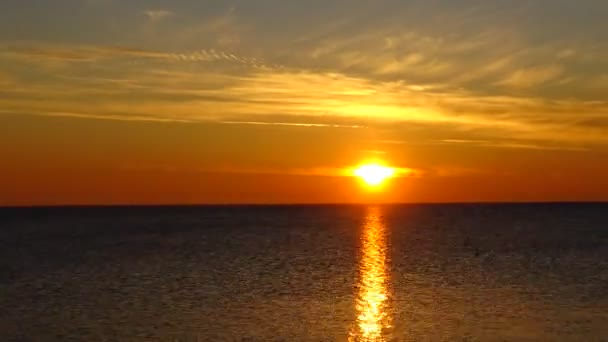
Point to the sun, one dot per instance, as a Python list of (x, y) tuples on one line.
[(374, 174)]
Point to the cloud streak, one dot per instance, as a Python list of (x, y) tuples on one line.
[(49, 53), (292, 124), (157, 15)]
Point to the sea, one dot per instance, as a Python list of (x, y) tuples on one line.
[(411, 272)]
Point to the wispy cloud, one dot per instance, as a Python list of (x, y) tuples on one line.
[(157, 14), (492, 143), (88, 115), (532, 76), (293, 124), (344, 171), (44, 54), (512, 144), (166, 88)]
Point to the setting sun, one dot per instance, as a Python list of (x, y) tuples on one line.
[(374, 174)]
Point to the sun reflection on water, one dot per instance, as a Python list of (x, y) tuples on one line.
[(373, 316)]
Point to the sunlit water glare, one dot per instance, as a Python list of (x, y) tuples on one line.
[(373, 318)]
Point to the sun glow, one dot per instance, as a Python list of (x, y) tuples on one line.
[(374, 174)]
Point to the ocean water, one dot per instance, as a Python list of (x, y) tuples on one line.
[(512, 272)]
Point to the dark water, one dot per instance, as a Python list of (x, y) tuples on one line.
[(305, 273)]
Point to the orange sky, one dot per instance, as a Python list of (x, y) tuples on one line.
[(83, 161), (107, 102)]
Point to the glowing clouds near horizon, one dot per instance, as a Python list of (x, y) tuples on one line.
[(374, 175), (373, 309)]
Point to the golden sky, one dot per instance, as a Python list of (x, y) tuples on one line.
[(268, 101)]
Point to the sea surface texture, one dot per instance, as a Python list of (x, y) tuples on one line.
[(518, 272)]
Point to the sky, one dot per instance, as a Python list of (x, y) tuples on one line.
[(272, 101)]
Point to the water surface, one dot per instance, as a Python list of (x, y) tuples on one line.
[(525, 272)]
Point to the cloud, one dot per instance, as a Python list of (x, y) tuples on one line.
[(41, 53), (417, 78), (294, 124), (90, 115), (222, 30), (510, 144), (533, 76), (157, 15), (58, 53), (345, 171), (258, 94)]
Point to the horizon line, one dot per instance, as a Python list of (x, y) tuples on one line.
[(303, 204)]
